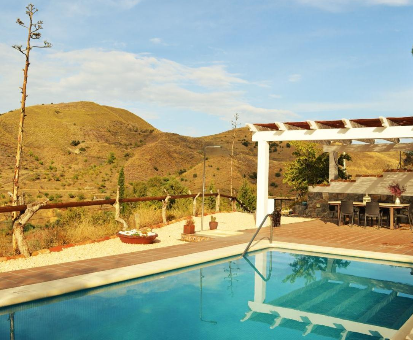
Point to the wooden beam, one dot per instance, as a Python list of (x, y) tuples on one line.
[(365, 133), (252, 127), (385, 147), (386, 122), (282, 126)]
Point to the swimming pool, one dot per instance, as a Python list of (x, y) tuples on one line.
[(271, 295)]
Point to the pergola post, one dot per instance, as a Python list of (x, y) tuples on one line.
[(262, 181), (333, 166)]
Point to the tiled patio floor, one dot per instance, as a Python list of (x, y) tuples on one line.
[(315, 232)]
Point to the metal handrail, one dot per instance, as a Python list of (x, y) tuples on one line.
[(256, 233), (266, 279)]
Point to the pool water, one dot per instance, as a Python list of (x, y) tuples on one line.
[(271, 295)]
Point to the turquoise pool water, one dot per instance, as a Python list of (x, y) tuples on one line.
[(273, 296)]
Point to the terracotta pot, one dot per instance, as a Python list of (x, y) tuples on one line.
[(133, 239), (189, 229), (213, 225)]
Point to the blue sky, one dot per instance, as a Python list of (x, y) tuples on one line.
[(187, 66)]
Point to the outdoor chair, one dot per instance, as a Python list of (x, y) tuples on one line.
[(332, 209), (405, 214), (372, 211), (347, 209)]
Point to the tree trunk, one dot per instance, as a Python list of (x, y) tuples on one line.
[(194, 204), (234, 127), (164, 206), (16, 229), (217, 202), (117, 212), (18, 226)]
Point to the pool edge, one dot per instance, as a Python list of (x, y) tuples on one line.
[(47, 289)]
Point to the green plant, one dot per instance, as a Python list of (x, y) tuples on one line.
[(247, 196), (310, 167), (213, 219), (190, 221), (111, 158)]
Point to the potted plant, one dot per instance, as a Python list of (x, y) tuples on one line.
[(213, 224), (397, 191), (189, 226), (140, 236)]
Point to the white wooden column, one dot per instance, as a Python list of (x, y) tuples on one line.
[(262, 181)]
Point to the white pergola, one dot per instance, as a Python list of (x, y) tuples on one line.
[(335, 135)]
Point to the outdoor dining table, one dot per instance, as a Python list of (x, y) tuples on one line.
[(390, 206)]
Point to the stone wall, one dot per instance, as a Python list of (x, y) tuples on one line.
[(317, 202)]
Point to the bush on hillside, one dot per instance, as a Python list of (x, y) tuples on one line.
[(246, 195)]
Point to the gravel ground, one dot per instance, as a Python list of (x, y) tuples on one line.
[(167, 236)]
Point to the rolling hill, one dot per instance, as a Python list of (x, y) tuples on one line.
[(76, 150)]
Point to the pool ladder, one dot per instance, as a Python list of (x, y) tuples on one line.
[(256, 233)]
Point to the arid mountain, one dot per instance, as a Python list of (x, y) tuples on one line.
[(75, 151)]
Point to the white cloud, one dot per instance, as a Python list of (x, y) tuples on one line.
[(276, 96), (294, 78), (129, 80), (156, 40)]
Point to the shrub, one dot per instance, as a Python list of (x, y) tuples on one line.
[(74, 142), (246, 196), (111, 158)]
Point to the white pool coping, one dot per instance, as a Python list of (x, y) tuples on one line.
[(28, 293)]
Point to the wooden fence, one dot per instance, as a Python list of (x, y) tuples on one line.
[(23, 207)]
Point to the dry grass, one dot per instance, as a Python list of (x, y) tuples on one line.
[(80, 224)]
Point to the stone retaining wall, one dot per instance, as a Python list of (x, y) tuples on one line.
[(317, 202)]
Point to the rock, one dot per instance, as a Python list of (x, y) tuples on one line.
[(41, 251)]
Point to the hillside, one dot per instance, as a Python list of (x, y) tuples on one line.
[(75, 151)]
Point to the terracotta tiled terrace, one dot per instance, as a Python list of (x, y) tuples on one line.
[(312, 233)]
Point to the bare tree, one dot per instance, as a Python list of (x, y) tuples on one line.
[(19, 244), (234, 124)]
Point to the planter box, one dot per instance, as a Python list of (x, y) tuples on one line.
[(213, 225), (137, 239), (189, 229)]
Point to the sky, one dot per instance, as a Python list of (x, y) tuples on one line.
[(187, 66)]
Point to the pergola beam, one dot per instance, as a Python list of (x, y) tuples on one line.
[(384, 147), (343, 131), (364, 133)]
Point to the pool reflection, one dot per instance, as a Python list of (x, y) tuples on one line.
[(329, 303)]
